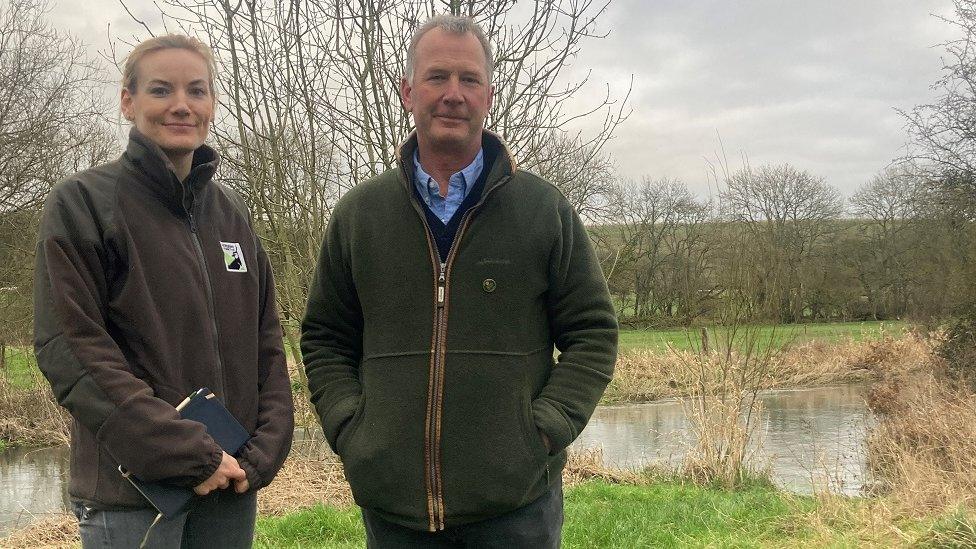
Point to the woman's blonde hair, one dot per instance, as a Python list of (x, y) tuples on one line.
[(178, 41)]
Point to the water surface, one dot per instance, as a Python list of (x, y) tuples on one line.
[(811, 439)]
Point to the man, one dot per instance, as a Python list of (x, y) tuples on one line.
[(441, 289)]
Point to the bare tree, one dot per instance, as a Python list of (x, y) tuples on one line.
[(663, 249), (50, 126), (788, 213), (888, 209), (50, 105), (943, 133), (310, 92)]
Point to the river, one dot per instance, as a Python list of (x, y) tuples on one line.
[(811, 439)]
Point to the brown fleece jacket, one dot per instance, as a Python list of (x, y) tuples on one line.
[(145, 290)]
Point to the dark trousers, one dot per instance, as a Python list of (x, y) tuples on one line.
[(221, 519), (538, 525)]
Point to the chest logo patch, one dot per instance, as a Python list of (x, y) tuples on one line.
[(233, 257)]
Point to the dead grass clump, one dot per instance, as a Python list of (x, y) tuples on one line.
[(30, 416), (726, 437), (60, 530), (837, 521), (890, 356), (306, 480), (923, 452), (643, 375), (587, 464)]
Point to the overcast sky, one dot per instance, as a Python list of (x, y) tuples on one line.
[(814, 84)]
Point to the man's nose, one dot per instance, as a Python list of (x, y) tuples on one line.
[(453, 92)]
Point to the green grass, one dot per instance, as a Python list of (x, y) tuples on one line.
[(315, 527), (20, 367), (658, 340), (663, 514), (672, 514)]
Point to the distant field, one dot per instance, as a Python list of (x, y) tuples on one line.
[(688, 338), (21, 369)]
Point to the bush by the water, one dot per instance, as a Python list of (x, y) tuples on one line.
[(922, 452)]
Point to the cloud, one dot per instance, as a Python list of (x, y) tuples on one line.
[(815, 84)]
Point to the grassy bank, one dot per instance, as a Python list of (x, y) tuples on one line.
[(309, 506), (19, 369), (659, 341), (29, 415), (644, 375), (598, 514), (646, 512)]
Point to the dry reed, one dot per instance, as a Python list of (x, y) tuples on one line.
[(587, 464), (30, 416), (57, 531), (644, 375), (923, 451), (306, 479)]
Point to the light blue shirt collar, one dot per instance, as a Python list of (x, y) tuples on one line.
[(458, 186)]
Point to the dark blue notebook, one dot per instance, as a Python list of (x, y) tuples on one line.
[(202, 406)]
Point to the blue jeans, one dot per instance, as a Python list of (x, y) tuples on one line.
[(537, 525), (220, 519)]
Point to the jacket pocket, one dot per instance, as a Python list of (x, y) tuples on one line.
[(382, 449), (493, 458), (350, 427)]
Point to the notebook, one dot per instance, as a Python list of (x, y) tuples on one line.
[(203, 406)]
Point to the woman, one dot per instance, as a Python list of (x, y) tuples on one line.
[(150, 284)]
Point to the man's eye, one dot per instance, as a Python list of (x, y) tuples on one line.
[(158, 91), (198, 92)]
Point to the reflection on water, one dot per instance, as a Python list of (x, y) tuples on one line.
[(811, 438), (33, 482)]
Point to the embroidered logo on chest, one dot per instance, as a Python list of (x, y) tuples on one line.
[(233, 257)]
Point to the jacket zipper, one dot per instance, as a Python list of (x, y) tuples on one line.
[(210, 299), (435, 383)]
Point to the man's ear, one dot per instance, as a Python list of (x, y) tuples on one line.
[(405, 90), (491, 96)]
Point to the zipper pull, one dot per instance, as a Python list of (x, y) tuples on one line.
[(193, 224), (441, 282)]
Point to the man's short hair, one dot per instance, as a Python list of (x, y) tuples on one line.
[(453, 24)]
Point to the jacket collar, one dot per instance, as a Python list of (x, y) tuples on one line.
[(159, 173), (494, 146)]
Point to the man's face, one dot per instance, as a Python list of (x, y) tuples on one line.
[(450, 94)]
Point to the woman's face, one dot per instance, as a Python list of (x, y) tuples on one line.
[(173, 104)]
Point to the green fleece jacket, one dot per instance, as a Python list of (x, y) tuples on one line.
[(433, 380)]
